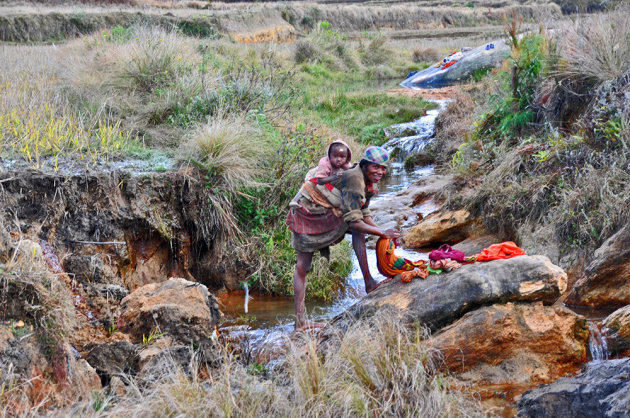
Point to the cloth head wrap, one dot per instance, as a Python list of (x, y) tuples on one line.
[(376, 155)]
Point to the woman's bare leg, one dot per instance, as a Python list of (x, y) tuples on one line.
[(358, 244), (303, 266)]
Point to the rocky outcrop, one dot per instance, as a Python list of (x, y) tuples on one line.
[(443, 227), (606, 281), (514, 343), (462, 65), (602, 389), (178, 308), (34, 378), (440, 299), (111, 359), (616, 330)]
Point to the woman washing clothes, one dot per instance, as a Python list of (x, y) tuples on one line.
[(315, 227)]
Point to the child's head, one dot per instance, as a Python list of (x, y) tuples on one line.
[(338, 154)]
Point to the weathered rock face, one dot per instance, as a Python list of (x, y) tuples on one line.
[(444, 227), (616, 330), (471, 246), (514, 343), (441, 299), (39, 381), (181, 309), (601, 390), (406, 208), (607, 278), (113, 359)]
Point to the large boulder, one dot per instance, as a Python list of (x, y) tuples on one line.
[(602, 389), (181, 309), (607, 278), (616, 329), (486, 56), (514, 343), (440, 299), (443, 227)]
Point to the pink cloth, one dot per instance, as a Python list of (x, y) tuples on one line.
[(446, 251), (325, 168)]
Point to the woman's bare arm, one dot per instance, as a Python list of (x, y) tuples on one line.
[(367, 226)]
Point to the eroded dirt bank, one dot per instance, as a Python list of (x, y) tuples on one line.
[(119, 228)]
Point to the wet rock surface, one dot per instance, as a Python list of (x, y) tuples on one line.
[(405, 208), (606, 281), (514, 343), (616, 330), (181, 309), (441, 299), (602, 389), (443, 227)]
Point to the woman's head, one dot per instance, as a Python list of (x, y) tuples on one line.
[(373, 163)]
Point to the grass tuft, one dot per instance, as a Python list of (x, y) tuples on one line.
[(229, 149), (377, 368)]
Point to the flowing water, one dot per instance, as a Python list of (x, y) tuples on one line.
[(597, 343), (269, 318)]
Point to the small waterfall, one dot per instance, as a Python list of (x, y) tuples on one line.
[(597, 342), (424, 128)]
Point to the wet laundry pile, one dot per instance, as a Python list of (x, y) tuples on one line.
[(444, 259)]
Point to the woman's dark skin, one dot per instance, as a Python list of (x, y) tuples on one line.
[(372, 174)]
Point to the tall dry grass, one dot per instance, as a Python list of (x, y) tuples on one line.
[(378, 368), (38, 119), (595, 48), (229, 147)]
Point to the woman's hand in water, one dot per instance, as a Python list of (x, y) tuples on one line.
[(391, 234)]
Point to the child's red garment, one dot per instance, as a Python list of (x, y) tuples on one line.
[(503, 250), (446, 251)]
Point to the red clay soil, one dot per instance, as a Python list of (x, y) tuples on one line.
[(430, 94)]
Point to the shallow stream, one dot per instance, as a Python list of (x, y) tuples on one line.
[(270, 317)]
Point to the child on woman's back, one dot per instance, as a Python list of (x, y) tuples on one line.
[(319, 189), (333, 165)]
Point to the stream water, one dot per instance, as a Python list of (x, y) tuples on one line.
[(269, 318)]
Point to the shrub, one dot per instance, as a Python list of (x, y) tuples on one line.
[(305, 51), (421, 55), (153, 60)]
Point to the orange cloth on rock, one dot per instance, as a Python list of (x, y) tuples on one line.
[(503, 250), (389, 264)]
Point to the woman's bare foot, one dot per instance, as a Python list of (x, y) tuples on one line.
[(306, 325), (369, 289)]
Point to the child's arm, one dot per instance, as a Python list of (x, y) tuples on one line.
[(324, 180)]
